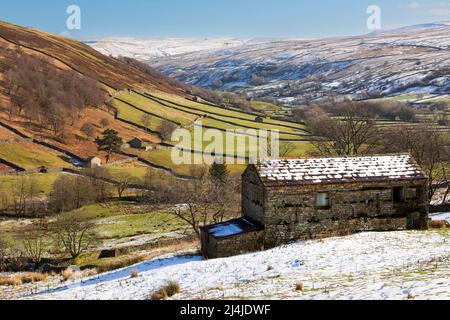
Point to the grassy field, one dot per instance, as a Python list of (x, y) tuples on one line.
[(210, 117), (230, 115), (164, 157), (215, 117), (117, 223), (137, 172), (43, 181), (155, 108), (31, 156), (135, 116)]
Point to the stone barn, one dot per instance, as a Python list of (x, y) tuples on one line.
[(288, 200), (136, 143), (93, 162)]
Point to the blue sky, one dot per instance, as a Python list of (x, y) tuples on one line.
[(214, 18)]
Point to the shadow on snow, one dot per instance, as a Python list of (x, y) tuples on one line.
[(126, 272)]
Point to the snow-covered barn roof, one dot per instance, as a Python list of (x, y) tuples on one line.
[(232, 228), (340, 170)]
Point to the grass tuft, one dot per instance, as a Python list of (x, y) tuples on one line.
[(23, 278), (67, 274), (169, 290), (438, 224), (299, 286)]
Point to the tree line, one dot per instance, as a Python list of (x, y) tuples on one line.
[(48, 96), (352, 130), (208, 199)]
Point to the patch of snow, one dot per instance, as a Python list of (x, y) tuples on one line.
[(440, 216), (380, 265), (144, 49), (125, 273)]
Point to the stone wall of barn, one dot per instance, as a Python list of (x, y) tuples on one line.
[(291, 212), (235, 245), (252, 196)]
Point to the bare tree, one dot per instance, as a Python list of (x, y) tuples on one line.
[(48, 95), (89, 130), (24, 196), (146, 121), (11, 81), (104, 122), (35, 243), (428, 147), (286, 149), (123, 180), (72, 192), (166, 129), (3, 253), (203, 202), (4, 202), (74, 232), (197, 209), (69, 193), (100, 181), (351, 132)]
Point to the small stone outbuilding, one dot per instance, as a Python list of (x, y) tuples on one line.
[(232, 237), (298, 199), (93, 162)]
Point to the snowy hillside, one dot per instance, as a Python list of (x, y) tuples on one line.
[(145, 49), (404, 61), (394, 265)]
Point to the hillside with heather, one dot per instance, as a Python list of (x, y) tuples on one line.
[(85, 143), (59, 90)]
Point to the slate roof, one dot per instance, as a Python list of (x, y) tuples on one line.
[(232, 228), (339, 170)]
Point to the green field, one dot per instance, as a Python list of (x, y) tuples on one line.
[(211, 117), (228, 115), (135, 116), (155, 108), (31, 156), (116, 223), (215, 117), (44, 182), (164, 157)]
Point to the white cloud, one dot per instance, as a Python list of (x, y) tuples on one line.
[(438, 9), (439, 12), (411, 5)]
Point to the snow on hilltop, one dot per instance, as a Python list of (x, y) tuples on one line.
[(381, 64), (144, 49), (391, 265)]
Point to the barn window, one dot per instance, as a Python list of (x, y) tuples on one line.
[(398, 194), (323, 200)]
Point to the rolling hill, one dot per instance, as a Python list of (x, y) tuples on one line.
[(407, 61), (142, 100)]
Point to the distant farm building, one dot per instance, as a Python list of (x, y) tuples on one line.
[(136, 143), (288, 200), (43, 169), (93, 162)]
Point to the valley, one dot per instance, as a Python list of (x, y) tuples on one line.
[(93, 204), (406, 61)]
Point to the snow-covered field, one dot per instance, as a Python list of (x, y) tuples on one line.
[(391, 265)]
